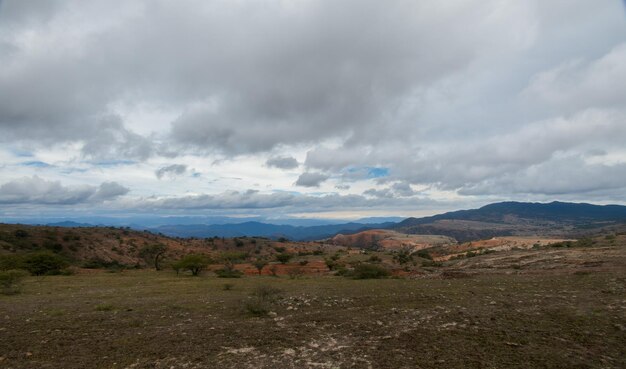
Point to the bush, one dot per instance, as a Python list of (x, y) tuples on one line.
[(10, 281), (20, 233), (97, 263), (10, 261), (294, 273), (430, 263), (424, 255), (374, 259), (403, 257), (43, 263), (261, 300), (259, 264), (283, 258), (369, 271), (228, 273)]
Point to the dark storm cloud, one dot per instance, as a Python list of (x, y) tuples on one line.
[(35, 190), (311, 179), (247, 76), (171, 170), (282, 162)]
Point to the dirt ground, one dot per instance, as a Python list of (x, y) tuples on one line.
[(525, 316)]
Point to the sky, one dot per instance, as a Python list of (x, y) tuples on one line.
[(303, 108)]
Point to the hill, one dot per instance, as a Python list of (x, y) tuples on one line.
[(557, 219), (387, 240)]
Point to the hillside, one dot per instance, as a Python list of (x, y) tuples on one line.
[(108, 246), (556, 219), (387, 240)]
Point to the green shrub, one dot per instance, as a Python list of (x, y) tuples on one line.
[(10, 261), (403, 257), (97, 263), (20, 233), (369, 271), (259, 264), (228, 273), (10, 281), (431, 263), (43, 263), (284, 257), (375, 259)]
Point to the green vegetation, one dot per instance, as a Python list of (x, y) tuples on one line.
[(36, 263), (10, 281), (152, 254), (283, 258), (369, 271), (195, 263)]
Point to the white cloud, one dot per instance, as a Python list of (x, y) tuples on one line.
[(35, 190)]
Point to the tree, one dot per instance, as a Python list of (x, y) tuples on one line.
[(195, 263), (283, 257), (260, 264), (153, 254)]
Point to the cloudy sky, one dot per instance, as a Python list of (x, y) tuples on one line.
[(316, 108)]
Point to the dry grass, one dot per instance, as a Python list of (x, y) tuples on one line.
[(145, 319)]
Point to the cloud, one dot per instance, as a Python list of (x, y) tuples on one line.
[(311, 179), (562, 176), (35, 190), (285, 201), (403, 189), (470, 99), (171, 170), (397, 190), (282, 162), (578, 84)]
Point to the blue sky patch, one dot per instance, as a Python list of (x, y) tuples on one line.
[(377, 172), (36, 164)]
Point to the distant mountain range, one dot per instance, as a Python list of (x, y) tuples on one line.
[(498, 219), (258, 229)]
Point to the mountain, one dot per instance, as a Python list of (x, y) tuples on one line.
[(258, 229), (516, 218), (68, 223)]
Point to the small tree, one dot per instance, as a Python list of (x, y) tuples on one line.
[(259, 264), (283, 257), (403, 257), (231, 258), (195, 263), (152, 254)]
